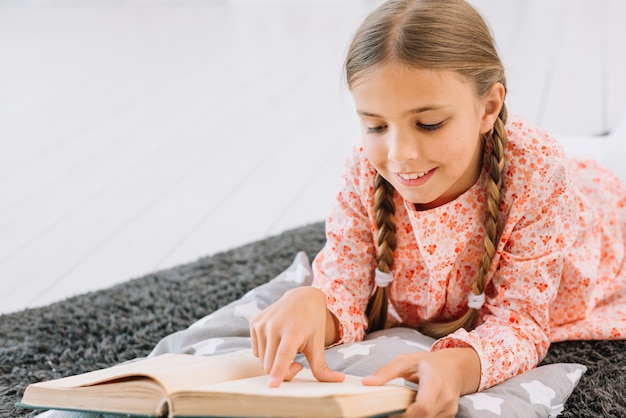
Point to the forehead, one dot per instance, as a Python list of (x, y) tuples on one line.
[(401, 85)]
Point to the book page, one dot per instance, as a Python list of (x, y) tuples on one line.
[(304, 385), (304, 396), (171, 371)]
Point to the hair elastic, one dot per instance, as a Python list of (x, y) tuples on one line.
[(382, 279), (476, 301)]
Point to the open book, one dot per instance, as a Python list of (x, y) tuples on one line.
[(177, 385)]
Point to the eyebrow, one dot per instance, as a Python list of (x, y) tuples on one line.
[(410, 112)]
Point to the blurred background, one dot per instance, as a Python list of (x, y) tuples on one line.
[(141, 134)]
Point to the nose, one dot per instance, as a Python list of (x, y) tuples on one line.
[(402, 146)]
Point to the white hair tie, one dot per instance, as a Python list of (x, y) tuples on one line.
[(382, 279), (476, 301)]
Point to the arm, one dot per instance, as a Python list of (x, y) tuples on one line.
[(513, 331), (307, 319), (539, 228), (344, 269)]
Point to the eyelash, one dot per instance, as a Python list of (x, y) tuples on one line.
[(379, 129), (432, 127), (375, 129)]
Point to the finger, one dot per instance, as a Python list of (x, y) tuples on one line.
[(269, 353), (428, 395), (425, 405), (431, 400), (261, 343), (254, 342), (319, 368), (399, 367), (282, 362), (294, 369)]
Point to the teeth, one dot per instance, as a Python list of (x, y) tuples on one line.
[(412, 176)]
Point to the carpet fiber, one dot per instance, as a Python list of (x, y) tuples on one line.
[(103, 328)]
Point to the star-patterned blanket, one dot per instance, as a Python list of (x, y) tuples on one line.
[(541, 392)]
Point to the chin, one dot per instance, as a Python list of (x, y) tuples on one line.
[(418, 202), (423, 203)]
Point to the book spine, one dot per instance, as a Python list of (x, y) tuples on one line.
[(165, 409)]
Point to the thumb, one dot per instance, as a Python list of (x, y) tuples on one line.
[(320, 369), (384, 374)]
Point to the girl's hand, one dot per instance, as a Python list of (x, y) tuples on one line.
[(298, 322), (443, 376)]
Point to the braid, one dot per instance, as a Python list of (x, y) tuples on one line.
[(385, 223), (494, 188)]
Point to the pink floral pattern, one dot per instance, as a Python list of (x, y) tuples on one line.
[(558, 273)]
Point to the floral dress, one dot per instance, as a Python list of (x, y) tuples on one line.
[(558, 273)]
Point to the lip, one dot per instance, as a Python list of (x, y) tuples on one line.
[(418, 181)]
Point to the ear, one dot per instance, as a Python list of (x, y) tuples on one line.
[(492, 103)]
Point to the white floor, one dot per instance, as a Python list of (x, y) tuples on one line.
[(139, 134)]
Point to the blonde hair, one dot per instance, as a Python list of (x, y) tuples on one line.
[(441, 35)]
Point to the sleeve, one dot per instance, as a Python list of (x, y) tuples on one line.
[(344, 268), (513, 330)]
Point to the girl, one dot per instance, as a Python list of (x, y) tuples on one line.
[(452, 219)]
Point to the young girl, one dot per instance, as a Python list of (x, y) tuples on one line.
[(453, 219)]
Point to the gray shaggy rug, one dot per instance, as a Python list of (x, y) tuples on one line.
[(103, 328)]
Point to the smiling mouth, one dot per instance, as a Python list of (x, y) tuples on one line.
[(413, 176), (415, 179)]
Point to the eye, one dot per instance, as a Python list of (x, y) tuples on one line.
[(375, 129), (431, 127)]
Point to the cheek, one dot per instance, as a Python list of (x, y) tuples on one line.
[(375, 151), (460, 144), (462, 156)]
